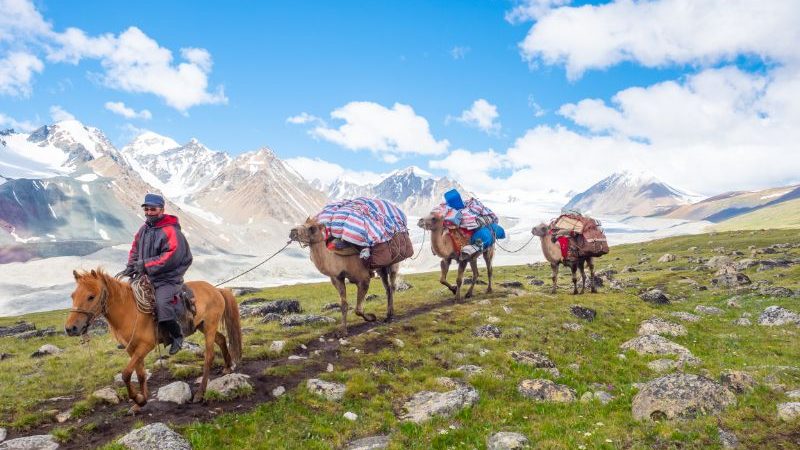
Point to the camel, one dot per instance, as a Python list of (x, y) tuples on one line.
[(345, 268), (552, 253), (442, 246)]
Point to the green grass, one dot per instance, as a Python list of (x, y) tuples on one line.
[(438, 342), (781, 215)]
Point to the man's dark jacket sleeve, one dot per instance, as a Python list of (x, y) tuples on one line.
[(173, 254)]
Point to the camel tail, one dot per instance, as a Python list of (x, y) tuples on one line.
[(233, 327)]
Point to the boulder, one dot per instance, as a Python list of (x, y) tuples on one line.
[(655, 296), (582, 312), (506, 440), (657, 325), (571, 326), (470, 369), (326, 389), (402, 285), (295, 320), (261, 306), (653, 344), (546, 391), (37, 442), (662, 365), (17, 328), (369, 443), (231, 386), (685, 316), (155, 436), (177, 392), (424, 405), (716, 262), (776, 291), (46, 349), (488, 331), (731, 280), (727, 439), (709, 310), (106, 394), (789, 412), (667, 258), (737, 381), (680, 395), (532, 359), (777, 316), (742, 322)]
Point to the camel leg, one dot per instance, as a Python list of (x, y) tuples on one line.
[(222, 343), (462, 265), (591, 275), (488, 257), (445, 266), (583, 276), (554, 267), (210, 333), (363, 288), (574, 269), (473, 264), (339, 285), (389, 287)]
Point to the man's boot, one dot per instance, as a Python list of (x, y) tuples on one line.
[(177, 336)]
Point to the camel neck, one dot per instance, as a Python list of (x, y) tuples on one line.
[(439, 244)]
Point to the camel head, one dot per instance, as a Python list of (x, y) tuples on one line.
[(540, 230), (430, 222), (309, 232), (88, 301)]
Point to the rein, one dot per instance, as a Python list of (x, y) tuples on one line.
[(100, 311)]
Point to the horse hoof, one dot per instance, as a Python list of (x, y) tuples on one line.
[(133, 410), (140, 400)]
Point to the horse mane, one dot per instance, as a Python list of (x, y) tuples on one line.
[(114, 286)]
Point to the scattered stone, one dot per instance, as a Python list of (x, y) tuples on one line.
[(351, 416), (369, 443), (271, 317), (655, 296), (295, 320), (685, 316), (716, 262), (601, 396), (49, 331), (483, 352), (470, 369), (488, 331), (468, 281), (296, 357), (4, 356), (38, 442), (728, 439), (511, 284), (731, 280), (277, 346), (63, 417), (177, 392), (572, 326), (106, 394), (680, 395), (46, 349), (742, 322), (733, 303), (532, 359), (332, 306), (506, 440), (628, 269), (776, 291), (789, 411), (329, 368), (17, 328), (662, 365), (156, 436), (546, 391), (261, 306), (240, 291), (709, 310), (191, 347), (737, 381), (777, 316), (667, 258), (231, 386), (278, 391), (795, 395), (744, 264), (326, 389), (424, 405), (657, 325), (535, 282), (402, 285), (493, 319), (653, 344), (582, 312), (3, 434)]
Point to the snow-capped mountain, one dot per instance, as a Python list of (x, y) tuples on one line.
[(175, 170), (629, 193)]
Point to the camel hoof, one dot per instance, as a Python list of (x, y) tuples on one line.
[(369, 317), (469, 295), (453, 290), (388, 319), (489, 291)]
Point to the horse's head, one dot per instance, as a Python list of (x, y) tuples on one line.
[(308, 233), (430, 222), (540, 230), (88, 301)]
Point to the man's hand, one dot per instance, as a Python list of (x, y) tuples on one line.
[(128, 272), (138, 267)]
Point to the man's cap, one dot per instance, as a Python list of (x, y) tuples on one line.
[(153, 200)]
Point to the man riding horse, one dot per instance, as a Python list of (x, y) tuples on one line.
[(161, 252)]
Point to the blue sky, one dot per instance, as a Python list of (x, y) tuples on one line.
[(275, 60)]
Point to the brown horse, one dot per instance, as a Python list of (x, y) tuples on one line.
[(99, 294)]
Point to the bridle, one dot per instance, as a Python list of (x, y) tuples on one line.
[(100, 310), (311, 241)]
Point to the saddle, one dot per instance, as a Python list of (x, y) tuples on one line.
[(145, 296)]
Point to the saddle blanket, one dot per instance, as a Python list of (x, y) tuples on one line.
[(363, 221), (474, 215)]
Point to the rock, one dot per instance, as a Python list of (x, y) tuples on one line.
[(657, 325), (278, 391), (271, 317), (156, 436), (653, 344), (260, 307), (789, 411), (3, 434), (532, 359), (601, 396), (737, 381), (193, 348), (546, 391), (37, 442), (795, 395), (468, 281), (449, 383), (240, 291), (134, 378), (231, 386), (488, 331), (685, 316), (628, 269), (744, 264), (295, 320), (662, 365), (535, 282), (776, 291), (17, 328), (680, 395), (733, 303), (493, 319), (731, 280), (727, 439), (709, 310), (49, 331), (655, 296), (470, 369), (667, 258), (63, 417), (572, 326), (369, 443), (351, 416), (46, 349), (716, 262), (332, 306), (326, 389), (742, 322), (424, 405), (777, 316), (177, 392), (106, 394), (277, 346), (4, 356), (402, 285), (582, 312), (329, 368), (511, 284), (506, 440)]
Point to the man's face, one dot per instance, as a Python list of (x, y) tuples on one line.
[(153, 211)]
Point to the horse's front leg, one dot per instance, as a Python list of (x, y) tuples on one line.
[(139, 398), (142, 376), (210, 334)]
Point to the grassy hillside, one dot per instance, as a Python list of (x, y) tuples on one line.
[(782, 215), (382, 366)]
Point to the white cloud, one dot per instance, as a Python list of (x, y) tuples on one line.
[(472, 169), (390, 133), (459, 52), (128, 113), (17, 125), (533, 9), (303, 118), (663, 32), (481, 115), (16, 71), (327, 172), (57, 113), (538, 111), (21, 20)]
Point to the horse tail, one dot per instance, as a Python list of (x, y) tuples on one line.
[(233, 327)]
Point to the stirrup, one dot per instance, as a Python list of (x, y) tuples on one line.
[(177, 344)]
